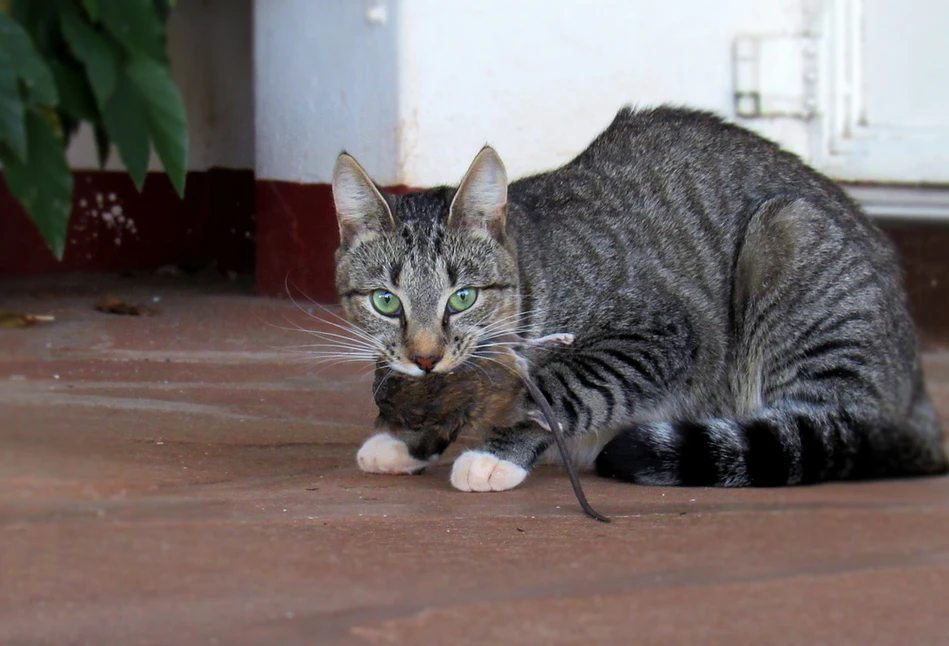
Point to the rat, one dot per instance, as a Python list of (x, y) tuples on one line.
[(429, 413)]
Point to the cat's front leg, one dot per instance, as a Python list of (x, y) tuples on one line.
[(504, 461), (590, 388), (408, 453)]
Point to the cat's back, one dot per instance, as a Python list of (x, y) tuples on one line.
[(673, 164), (675, 146), (665, 196), (666, 134)]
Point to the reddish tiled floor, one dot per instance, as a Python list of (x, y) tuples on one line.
[(184, 479)]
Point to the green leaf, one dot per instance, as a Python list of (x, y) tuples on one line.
[(95, 52), (43, 185), (125, 123), (41, 22), (52, 117), (75, 95), (69, 126), (19, 49), (135, 24), (12, 124), (167, 120), (163, 9), (103, 145), (92, 9)]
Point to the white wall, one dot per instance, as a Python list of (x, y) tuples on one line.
[(539, 79), (326, 79), (413, 88), (210, 46), (230, 50)]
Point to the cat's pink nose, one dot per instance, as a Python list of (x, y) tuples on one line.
[(426, 363)]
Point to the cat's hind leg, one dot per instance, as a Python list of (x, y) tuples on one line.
[(824, 389)]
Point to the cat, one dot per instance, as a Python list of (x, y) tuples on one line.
[(738, 320)]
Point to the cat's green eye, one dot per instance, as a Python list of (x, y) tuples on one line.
[(385, 302), (462, 299)]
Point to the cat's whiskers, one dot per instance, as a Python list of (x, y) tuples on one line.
[(322, 334), (503, 325), (336, 348), (331, 347), (481, 368), (506, 366), (491, 353), (502, 344), (345, 343), (337, 353), (354, 338), (505, 321), (506, 324), (368, 371), (331, 360), (320, 359), (388, 375), (344, 324), (337, 340), (358, 343), (354, 333), (502, 333)]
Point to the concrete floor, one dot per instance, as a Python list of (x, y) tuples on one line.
[(184, 479)]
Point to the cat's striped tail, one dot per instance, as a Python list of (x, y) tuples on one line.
[(776, 447)]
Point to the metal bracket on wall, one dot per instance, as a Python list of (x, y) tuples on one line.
[(775, 76)]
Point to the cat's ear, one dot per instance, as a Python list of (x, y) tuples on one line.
[(481, 199), (360, 207)]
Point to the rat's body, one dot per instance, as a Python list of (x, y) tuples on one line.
[(484, 398), (429, 412)]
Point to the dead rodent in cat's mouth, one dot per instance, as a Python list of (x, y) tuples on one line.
[(432, 410), (429, 412)]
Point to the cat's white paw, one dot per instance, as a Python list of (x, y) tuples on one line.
[(383, 453), (481, 471)]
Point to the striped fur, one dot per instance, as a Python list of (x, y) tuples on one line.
[(738, 320), (792, 445)]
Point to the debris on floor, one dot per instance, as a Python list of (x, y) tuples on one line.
[(10, 319), (113, 305)]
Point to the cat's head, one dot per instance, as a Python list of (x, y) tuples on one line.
[(431, 277)]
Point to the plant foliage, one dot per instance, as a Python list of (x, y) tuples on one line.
[(104, 62)]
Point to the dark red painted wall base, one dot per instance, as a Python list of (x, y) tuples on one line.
[(114, 227), (297, 238), (924, 249)]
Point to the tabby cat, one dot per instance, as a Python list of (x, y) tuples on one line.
[(737, 320)]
